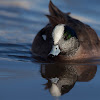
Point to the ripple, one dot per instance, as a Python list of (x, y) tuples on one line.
[(15, 51), (10, 73)]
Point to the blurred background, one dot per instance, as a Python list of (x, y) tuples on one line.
[(20, 20)]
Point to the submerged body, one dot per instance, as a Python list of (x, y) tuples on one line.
[(66, 38)]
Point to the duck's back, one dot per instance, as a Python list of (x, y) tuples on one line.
[(87, 37)]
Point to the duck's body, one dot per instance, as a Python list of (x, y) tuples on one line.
[(89, 43)]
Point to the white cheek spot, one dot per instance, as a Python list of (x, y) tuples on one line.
[(44, 37), (58, 33), (55, 50)]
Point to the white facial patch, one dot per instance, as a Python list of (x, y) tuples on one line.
[(44, 37), (54, 90), (58, 33), (55, 50)]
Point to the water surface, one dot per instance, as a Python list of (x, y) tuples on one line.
[(21, 77)]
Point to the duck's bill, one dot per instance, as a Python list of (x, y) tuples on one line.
[(55, 51)]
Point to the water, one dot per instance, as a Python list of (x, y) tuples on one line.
[(21, 77)]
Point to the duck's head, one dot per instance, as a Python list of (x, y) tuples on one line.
[(65, 40)]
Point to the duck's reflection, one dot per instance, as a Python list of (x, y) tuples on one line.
[(62, 77)]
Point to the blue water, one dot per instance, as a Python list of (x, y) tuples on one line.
[(21, 77)]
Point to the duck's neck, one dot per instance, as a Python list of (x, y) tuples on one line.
[(71, 51)]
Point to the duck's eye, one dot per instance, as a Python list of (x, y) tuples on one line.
[(67, 35)]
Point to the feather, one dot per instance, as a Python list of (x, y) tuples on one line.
[(54, 11), (56, 16)]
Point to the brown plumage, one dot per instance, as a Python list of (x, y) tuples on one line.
[(88, 39)]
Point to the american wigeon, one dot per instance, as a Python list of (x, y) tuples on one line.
[(65, 38)]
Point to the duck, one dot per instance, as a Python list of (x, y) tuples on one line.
[(65, 38)]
